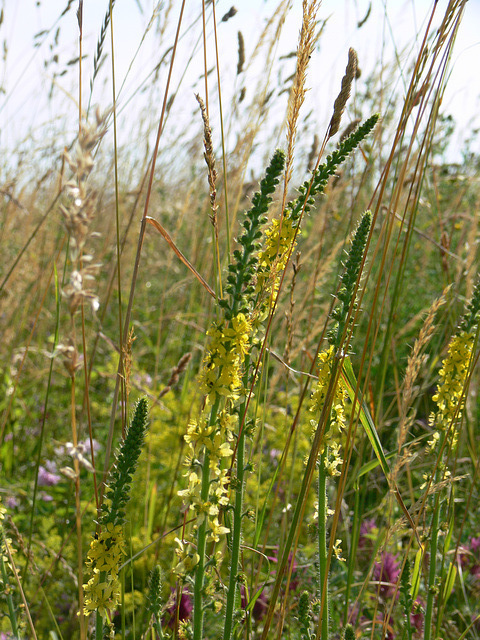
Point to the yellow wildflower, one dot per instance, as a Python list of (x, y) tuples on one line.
[(280, 240), (337, 414), (453, 375)]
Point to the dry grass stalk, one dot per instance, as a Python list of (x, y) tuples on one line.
[(127, 360), (350, 128), (210, 160), (175, 375), (343, 96), (415, 362), (296, 99), (312, 156), (230, 13)]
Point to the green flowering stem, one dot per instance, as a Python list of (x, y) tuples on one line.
[(202, 540), (432, 569), (155, 599), (237, 525), (98, 625), (322, 544), (201, 550), (300, 504)]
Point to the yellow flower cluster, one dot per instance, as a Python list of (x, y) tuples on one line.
[(216, 440), (102, 591), (453, 375), (280, 237), (222, 365), (337, 418)]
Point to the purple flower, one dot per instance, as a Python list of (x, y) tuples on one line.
[(416, 616), (387, 573), (47, 478), (11, 502), (469, 557), (367, 529), (475, 545), (185, 608), (86, 445)]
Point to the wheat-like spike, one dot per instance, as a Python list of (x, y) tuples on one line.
[(209, 158), (100, 43), (297, 94), (345, 90)]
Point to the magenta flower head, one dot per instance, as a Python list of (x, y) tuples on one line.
[(185, 608), (387, 573), (368, 528)]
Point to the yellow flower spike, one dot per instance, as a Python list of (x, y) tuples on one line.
[(453, 375)]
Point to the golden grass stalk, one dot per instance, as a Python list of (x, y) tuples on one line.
[(296, 99)]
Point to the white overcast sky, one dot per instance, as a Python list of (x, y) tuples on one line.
[(26, 82)]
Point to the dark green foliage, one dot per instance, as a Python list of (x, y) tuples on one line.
[(349, 633), (325, 171), (470, 320), (154, 597), (349, 278), (118, 493), (304, 616), (407, 601), (242, 270)]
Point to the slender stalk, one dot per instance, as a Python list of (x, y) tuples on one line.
[(98, 625), (202, 542), (201, 549), (78, 517), (237, 528), (322, 544), (432, 568)]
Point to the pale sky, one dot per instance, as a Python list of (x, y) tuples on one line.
[(27, 82)]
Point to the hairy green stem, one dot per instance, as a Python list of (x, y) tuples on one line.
[(98, 625), (432, 569), (201, 550), (237, 531), (322, 544), (202, 541)]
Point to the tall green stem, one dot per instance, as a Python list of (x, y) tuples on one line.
[(322, 544), (201, 548), (432, 569), (236, 534), (202, 542)]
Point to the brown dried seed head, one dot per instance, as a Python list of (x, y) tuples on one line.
[(345, 90), (241, 53), (209, 155)]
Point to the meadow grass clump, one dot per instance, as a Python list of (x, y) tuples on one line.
[(281, 308)]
